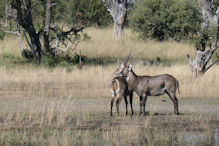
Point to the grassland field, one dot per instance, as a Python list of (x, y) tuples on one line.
[(63, 105)]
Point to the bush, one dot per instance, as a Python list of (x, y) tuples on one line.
[(166, 19), (49, 60), (89, 12), (2, 35)]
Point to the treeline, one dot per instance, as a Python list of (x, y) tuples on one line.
[(51, 25), (157, 19)]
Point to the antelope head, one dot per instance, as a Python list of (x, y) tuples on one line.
[(120, 69), (124, 68)]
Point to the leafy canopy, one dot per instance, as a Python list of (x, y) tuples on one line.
[(166, 19)]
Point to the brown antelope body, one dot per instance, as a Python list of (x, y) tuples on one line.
[(146, 86), (119, 90)]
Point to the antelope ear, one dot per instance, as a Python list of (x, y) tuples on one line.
[(130, 66)]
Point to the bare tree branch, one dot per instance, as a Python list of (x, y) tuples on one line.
[(9, 31), (65, 37), (207, 12), (215, 46), (211, 65), (18, 34), (107, 6), (28, 41), (199, 64)]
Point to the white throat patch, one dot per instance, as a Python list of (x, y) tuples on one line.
[(128, 76)]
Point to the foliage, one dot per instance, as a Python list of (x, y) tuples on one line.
[(215, 5), (169, 19), (206, 38), (89, 12), (209, 29), (2, 35), (49, 60)]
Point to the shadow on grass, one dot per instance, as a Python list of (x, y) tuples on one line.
[(164, 114), (10, 60), (154, 114)]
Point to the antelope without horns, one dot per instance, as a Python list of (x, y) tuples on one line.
[(119, 90), (146, 86)]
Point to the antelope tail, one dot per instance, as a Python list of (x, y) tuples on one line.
[(112, 88), (177, 85)]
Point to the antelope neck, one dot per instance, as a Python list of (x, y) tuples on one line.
[(131, 76)]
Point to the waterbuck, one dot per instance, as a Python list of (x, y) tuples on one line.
[(146, 86), (119, 89)]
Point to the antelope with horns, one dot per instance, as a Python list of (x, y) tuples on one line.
[(119, 89), (146, 86)]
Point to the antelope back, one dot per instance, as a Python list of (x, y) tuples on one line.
[(118, 86)]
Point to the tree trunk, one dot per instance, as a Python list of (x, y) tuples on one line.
[(35, 44), (24, 18), (119, 14), (118, 10), (47, 26), (118, 29)]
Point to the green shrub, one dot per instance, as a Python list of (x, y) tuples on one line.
[(89, 12), (2, 35), (166, 19), (49, 60)]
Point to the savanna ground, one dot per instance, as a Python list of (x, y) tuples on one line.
[(68, 106)]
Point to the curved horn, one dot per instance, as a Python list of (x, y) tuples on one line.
[(128, 57)]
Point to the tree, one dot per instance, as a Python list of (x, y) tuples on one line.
[(91, 12), (210, 12), (118, 10), (42, 19), (166, 19)]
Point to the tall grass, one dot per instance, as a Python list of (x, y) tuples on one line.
[(102, 43), (93, 81)]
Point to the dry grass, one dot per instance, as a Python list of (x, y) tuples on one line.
[(93, 81), (70, 121), (103, 44), (67, 106), (9, 45)]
